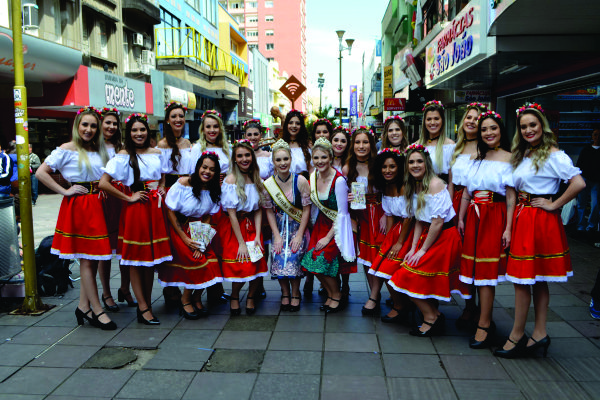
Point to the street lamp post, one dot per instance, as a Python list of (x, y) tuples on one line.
[(321, 84), (349, 43)]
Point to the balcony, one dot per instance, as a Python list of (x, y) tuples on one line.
[(146, 10)]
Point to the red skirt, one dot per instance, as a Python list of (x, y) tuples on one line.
[(436, 274), (112, 213), (370, 237), (539, 251), (185, 270), (233, 269), (483, 260), (384, 267), (348, 267), (143, 239), (457, 198), (327, 260), (81, 229), (217, 221)]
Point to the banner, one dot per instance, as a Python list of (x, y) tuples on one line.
[(353, 100)]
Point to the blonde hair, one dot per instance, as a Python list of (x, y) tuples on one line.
[(253, 174), (424, 136), (97, 143), (520, 145), (461, 137), (221, 141), (410, 183)]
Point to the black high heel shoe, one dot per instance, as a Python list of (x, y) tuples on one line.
[(142, 320), (436, 328), (81, 316), (114, 308), (285, 307), (122, 297), (188, 315), (517, 351), (485, 343), (340, 307), (371, 311), (294, 308), (109, 326), (542, 343), (250, 311), (234, 311), (324, 307)]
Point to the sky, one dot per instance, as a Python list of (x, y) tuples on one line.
[(361, 19)]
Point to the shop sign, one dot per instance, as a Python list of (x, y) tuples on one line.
[(463, 40), (470, 96), (184, 97), (388, 80), (245, 106), (579, 94), (394, 104), (111, 90), (374, 110), (400, 80)]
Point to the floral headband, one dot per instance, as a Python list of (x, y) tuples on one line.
[(89, 109), (252, 121), (393, 118), (209, 153), (340, 128), (489, 114), (325, 121), (390, 150), (416, 147), (113, 110), (298, 112), (211, 112), (530, 105), (323, 142), (243, 141), (363, 129), (176, 104), (433, 103), (140, 116), (478, 105)]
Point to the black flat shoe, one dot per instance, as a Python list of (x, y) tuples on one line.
[(340, 307), (122, 297), (109, 326), (324, 307), (285, 307), (188, 315), (401, 317), (485, 343), (81, 316), (114, 308), (371, 311), (294, 308), (537, 344), (142, 320), (436, 328), (517, 351), (250, 311), (234, 311)]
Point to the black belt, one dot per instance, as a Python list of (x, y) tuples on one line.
[(92, 186), (170, 179)]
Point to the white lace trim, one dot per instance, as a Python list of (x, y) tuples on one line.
[(347, 250), (65, 256), (146, 263), (247, 278), (539, 278), (191, 286)]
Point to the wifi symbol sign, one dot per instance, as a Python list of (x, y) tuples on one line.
[(292, 88)]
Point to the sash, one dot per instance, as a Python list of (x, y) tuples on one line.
[(314, 197), (281, 200)]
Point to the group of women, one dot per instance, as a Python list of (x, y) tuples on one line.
[(303, 197)]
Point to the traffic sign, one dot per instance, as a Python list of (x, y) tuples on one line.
[(292, 89)]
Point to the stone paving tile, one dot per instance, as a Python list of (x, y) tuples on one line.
[(352, 364), (589, 328), (243, 340), (421, 388), (593, 388), (187, 340), (473, 367), (168, 320), (458, 345), (558, 329), (310, 341), (265, 307), (8, 332), (220, 386), (356, 342), (292, 362), (489, 390), (354, 388), (139, 338), (286, 387), (383, 328), (59, 318), (310, 308), (565, 300), (235, 361), (413, 366), (65, 356), (351, 310), (96, 382), (17, 355), (41, 335), (253, 323), (22, 397), (543, 390), (404, 343), (573, 313), (53, 397), (581, 369), (535, 369), (572, 348), (163, 385), (296, 323), (34, 380), (179, 359), (216, 322), (22, 320), (350, 324), (89, 336), (5, 372), (552, 316)]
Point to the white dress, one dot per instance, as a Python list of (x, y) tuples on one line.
[(394, 206), (298, 162), (448, 151), (489, 175), (265, 164), (186, 164), (119, 169), (460, 169), (67, 163), (558, 167)]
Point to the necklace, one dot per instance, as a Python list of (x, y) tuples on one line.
[(470, 140), (284, 180), (531, 148), (433, 139), (211, 143), (495, 148), (362, 162)]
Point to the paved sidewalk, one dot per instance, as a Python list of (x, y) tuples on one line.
[(304, 355)]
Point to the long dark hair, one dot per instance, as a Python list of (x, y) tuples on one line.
[(376, 176), (131, 148), (343, 131), (482, 147), (170, 137), (352, 161), (117, 139), (301, 138), (328, 126), (213, 185)]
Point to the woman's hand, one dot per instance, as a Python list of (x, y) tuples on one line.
[(393, 253), (197, 254), (76, 190), (322, 243), (277, 244), (383, 224), (542, 203), (243, 254), (350, 197), (506, 237), (461, 228), (139, 196), (409, 254), (194, 246), (161, 190), (414, 258), (296, 243), (258, 243)]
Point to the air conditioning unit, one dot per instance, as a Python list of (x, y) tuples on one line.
[(30, 15), (148, 57), (138, 39)]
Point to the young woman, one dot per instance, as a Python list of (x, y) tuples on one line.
[(539, 252), (488, 203), (253, 131), (433, 136), (322, 128), (296, 135), (212, 138), (430, 268), (111, 129), (388, 178), (243, 195), (394, 134), (329, 213), (340, 141), (143, 239), (290, 194), (81, 226), (194, 267)]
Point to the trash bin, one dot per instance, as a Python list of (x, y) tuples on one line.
[(10, 260)]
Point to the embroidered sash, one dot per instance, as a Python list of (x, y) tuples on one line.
[(281, 200), (314, 196)]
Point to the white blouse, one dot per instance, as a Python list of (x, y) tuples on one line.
[(181, 199), (490, 175), (186, 165), (111, 152), (230, 199), (298, 163), (448, 151), (150, 168), (224, 159), (437, 205), (460, 169), (557, 167), (265, 164), (67, 163), (394, 206)]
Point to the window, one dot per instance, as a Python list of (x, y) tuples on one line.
[(253, 19), (270, 46), (252, 34), (236, 5), (270, 59), (251, 4), (269, 32), (269, 18), (269, 4), (168, 39)]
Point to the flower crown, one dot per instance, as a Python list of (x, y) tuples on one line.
[(416, 147), (177, 104), (478, 105), (279, 145), (324, 120), (393, 118), (323, 142), (243, 141), (209, 153), (211, 112), (364, 129), (89, 109), (530, 105), (433, 103), (340, 128), (113, 110), (140, 116), (253, 121), (298, 112), (390, 150), (489, 113)]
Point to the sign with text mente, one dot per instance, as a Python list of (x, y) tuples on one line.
[(111, 90)]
